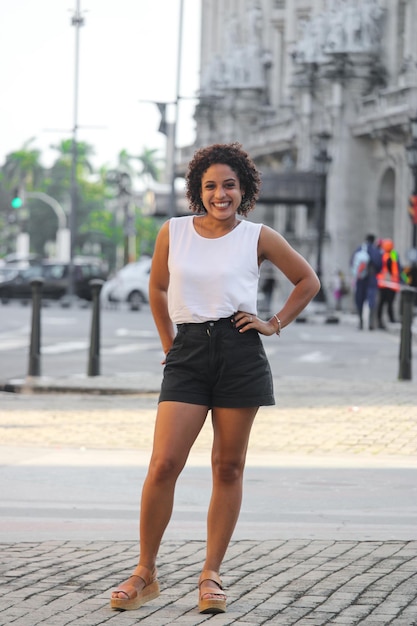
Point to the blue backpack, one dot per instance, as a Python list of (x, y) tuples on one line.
[(360, 262)]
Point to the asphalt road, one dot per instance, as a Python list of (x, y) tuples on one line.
[(80, 494), (130, 344)]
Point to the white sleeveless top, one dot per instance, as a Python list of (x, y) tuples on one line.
[(211, 278)]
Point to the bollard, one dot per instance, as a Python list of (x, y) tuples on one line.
[(35, 335), (407, 298), (94, 356)]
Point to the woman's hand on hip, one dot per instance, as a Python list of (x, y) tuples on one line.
[(247, 321)]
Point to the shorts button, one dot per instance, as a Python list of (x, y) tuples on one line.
[(211, 323)]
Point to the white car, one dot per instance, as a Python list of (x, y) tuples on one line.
[(130, 284)]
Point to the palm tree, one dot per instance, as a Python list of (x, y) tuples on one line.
[(84, 152), (148, 160), (23, 171), (149, 168), (22, 168), (124, 162)]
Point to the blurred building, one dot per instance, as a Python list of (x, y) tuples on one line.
[(320, 93)]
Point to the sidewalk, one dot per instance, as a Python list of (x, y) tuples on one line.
[(269, 582), (283, 580)]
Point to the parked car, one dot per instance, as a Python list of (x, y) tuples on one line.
[(16, 282), (7, 273), (55, 276), (130, 284)]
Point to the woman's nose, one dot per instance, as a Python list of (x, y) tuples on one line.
[(220, 192)]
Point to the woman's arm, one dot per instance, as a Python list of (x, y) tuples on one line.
[(275, 248), (158, 289)]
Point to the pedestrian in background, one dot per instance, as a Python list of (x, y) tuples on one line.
[(366, 262), (388, 279), (267, 286), (340, 289), (204, 280)]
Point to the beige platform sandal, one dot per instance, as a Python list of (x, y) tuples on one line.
[(134, 598), (216, 602)]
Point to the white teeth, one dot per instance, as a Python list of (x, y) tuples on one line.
[(221, 204)]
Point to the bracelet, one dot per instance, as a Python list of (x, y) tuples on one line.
[(279, 325)]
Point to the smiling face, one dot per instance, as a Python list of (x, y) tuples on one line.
[(221, 193)]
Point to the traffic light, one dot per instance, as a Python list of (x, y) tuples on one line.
[(412, 208), (16, 201)]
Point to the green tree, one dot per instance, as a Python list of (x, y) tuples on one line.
[(97, 198), (22, 168), (84, 152), (149, 164), (147, 229), (88, 192)]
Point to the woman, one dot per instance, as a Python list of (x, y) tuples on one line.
[(204, 279)]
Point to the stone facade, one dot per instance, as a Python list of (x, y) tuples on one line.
[(276, 74)]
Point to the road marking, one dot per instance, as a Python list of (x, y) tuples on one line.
[(132, 347), (314, 357), (60, 321), (69, 346), (12, 344), (126, 332)]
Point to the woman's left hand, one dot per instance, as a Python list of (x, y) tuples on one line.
[(247, 321)]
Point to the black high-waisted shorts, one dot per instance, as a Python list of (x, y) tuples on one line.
[(215, 365)]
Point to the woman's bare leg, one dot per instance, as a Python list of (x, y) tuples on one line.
[(176, 428), (231, 435)]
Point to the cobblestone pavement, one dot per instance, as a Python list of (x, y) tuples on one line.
[(290, 582), (283, 582)]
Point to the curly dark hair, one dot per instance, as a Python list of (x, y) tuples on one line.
[(233, 155)]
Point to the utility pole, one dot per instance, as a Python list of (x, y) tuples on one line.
[(173, 198), (77, 21)]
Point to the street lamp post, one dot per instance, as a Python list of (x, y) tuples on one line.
[(407, 294), (173, 195), (412, 163), (129, 229), (63, 234), (322, 161), (77, 21)]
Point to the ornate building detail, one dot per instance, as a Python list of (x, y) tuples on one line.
[(347, 27), (241, 63)]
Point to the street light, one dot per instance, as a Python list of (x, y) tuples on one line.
[(77, 20), (412, 163), (322, 161), (407, 295), (173, 196)]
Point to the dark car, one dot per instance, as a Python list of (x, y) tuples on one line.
[(55, 275)]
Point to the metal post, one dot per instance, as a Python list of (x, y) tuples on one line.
[(414, 235), (77, 21), (321, 205), (407, 300), (173, 196), (322, 163), (94, 355), (411, 152), (35, 335)]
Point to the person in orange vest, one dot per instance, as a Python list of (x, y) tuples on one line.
[(388, 280)]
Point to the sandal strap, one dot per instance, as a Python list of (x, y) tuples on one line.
[(208, 574), (148, 576)]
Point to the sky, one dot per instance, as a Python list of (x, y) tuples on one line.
[(128, 52)]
